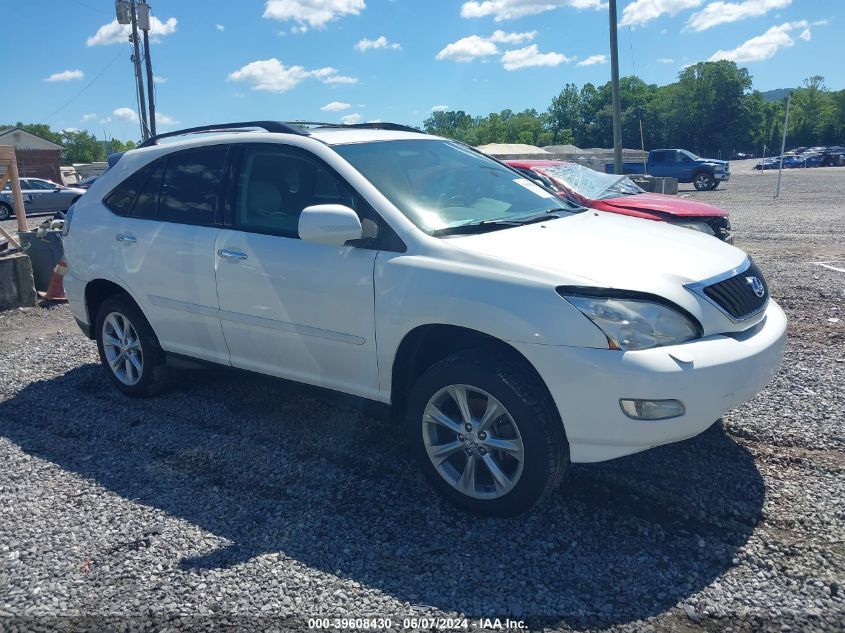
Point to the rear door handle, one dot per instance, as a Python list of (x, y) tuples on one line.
[(129, 239), (227, 254)]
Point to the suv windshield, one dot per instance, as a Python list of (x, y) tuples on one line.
[(592, 184), (440, 184)]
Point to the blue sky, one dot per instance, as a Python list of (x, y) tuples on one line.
[(389, 60)]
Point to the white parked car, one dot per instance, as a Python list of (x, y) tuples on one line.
[(513, 332)]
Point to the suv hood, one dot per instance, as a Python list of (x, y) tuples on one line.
[(664, 205), (610, 250)]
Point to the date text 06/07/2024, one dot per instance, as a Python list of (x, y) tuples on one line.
[(415, 623)]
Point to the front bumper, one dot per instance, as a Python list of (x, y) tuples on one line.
[(710, 376), (724, 176)]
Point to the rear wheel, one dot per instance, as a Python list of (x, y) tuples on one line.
[(486, 434), (128, 347), (5, 211), (703, 181)]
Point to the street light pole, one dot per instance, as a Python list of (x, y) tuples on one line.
[(614, 78), (783, 143)]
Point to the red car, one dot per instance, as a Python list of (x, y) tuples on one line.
[(619, 194)]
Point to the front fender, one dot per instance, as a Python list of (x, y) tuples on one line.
[(413, 290)]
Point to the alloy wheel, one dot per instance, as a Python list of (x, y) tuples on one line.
[(122, 349), (473, 442)]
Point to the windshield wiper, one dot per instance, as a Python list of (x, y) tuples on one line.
[(495, 224)]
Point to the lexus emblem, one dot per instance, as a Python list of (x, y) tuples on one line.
[(756, 285)]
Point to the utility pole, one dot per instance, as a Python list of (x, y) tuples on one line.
[(783, 143), (614, 78), (127, 14), (144, 25)]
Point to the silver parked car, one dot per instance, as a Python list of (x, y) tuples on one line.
[(39, 196)]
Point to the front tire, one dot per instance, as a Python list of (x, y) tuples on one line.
[(128, 347), (5, 211), (703, 181), (486, 434)]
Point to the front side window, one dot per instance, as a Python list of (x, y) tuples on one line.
[(274, 187), (592, 184), (440, 184), (190, 186)]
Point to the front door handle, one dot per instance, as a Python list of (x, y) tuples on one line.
[(227, 254), (129, 239)]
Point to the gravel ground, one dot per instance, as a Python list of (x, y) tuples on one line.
[(245, 503)]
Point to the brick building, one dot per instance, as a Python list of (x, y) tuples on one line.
[(36, 156)]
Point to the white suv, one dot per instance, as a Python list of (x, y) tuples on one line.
[(512, 332)]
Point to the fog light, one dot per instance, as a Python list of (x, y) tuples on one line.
[(652, 409)]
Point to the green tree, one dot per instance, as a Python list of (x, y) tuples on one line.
[(81, 147)]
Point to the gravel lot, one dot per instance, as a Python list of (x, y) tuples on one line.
[(232, 499)]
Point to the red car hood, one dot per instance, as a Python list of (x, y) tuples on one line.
[(657, 204)]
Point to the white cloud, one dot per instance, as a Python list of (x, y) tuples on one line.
[(531, 56), (592, 60), (314, 13), (469, 48), (722, 12), (501, 37), (763, 46), (439, 108), (806, 35), (70, 129), (66, 75), (273, 76), (665, 60), (821, 22), (127, 115), (159, 80), (114, 33), (513, 9), (219, 27), (339, 79), (365, 45), (641, 12), (88, 117), (351, 119), (336, 106), (165, 119)]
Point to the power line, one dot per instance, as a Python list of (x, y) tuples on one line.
[(88, 85)]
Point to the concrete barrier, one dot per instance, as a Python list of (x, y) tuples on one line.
[(655, 184), (16, 285)]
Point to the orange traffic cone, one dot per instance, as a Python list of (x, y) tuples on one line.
[(56, 288)]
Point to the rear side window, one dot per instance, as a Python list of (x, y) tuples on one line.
[(658, 157), (146, 205), (190, 186), (122, 197)]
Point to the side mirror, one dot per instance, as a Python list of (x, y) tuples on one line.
[(332, 224)]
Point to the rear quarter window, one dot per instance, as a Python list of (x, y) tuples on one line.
[(122, 197)]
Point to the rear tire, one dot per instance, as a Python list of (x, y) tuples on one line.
[(703, 181), (515, 454), (129, 349), (5, 211)]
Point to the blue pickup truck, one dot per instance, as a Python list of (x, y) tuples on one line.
[(704, 173)]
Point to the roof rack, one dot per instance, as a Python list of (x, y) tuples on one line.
[(376, 125), (267, 126)]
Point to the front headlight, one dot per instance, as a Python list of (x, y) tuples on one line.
[(696, 226), (633, 324)]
